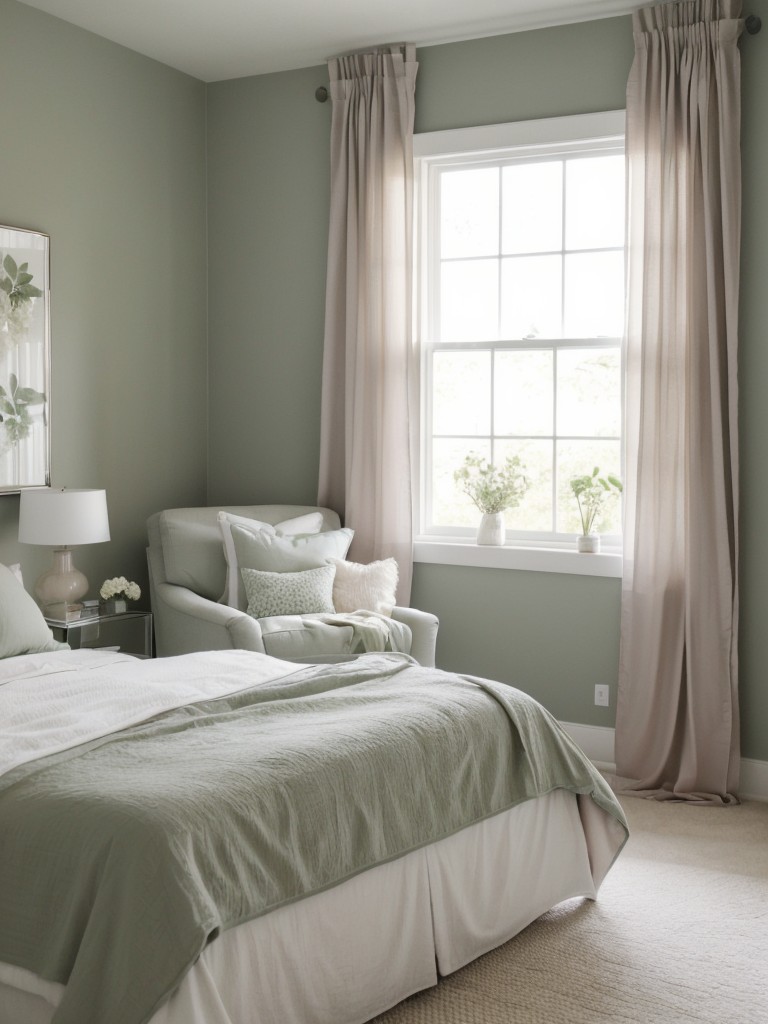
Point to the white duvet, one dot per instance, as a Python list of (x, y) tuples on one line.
[(52, 702)]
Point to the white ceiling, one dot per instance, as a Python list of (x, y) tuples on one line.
[(218, 39)]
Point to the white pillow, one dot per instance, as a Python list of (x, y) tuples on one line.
[(289, 593), (270, 552), (312, 522), (369, 587), (23, 630), (16, 570)]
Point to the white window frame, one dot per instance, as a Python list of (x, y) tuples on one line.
[(488, 142)]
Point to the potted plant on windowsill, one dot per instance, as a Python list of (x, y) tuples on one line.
[(493, 489), (592, 492)]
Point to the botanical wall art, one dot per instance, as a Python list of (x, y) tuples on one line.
[(24, 359)]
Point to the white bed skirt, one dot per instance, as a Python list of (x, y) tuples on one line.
[(345, 955)]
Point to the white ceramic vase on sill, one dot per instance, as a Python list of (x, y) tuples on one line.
[(588, 543), (492, 529)]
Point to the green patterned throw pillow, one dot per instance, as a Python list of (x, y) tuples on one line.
[(289, 593)]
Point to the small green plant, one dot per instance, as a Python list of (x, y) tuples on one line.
[(15, 404), (492, 488), (17, 300), (591, 493), (16, 281)]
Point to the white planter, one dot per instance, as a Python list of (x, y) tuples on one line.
[(492, 529), (588, 542)]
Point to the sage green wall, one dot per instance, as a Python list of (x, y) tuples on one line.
[(268, 184), (753, 376), (104, 150)]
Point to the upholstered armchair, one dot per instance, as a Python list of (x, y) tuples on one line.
[(190, 582)]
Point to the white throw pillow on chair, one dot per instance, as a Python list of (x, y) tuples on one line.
[(269, 551), (312, 522)]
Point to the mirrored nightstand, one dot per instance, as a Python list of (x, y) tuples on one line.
[(129, 632)]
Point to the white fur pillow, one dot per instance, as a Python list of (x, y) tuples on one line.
[(370, 588)]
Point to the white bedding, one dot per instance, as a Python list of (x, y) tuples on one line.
[(55, 701)]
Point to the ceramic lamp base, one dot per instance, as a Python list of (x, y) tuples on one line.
[(62, 587)]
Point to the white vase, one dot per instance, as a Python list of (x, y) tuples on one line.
[(492, 529), (588, 542)]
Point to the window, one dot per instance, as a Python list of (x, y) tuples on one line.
[(521, 299)]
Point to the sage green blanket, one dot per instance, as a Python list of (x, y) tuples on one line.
[(120, 859)]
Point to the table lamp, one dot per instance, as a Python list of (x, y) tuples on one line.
[(61, 518)]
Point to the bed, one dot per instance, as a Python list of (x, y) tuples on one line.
[(227, 838)]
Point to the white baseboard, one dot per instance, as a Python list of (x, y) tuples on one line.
[(597, 742), (754, 779)]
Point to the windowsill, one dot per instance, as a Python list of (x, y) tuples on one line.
[(526, 559)]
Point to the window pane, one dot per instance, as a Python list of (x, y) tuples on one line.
[(577, 458), (523, 393), (589, 392), (532, 207), (450, 506), (535, 510), (594, 295), (469, 300), (594, 203), (469, 223), (531, 297), (461, 393), (525, 255)]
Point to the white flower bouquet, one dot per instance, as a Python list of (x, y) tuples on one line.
[(492, 488), (121, 588)]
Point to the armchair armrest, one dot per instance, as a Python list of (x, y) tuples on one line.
[(423, 626), (193, 623)]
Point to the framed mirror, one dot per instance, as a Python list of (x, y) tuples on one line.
[(25, 359)]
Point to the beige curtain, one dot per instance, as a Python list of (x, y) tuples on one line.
[(677, 726), (370, 371)]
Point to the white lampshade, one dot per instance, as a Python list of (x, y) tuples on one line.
[(62, 517)]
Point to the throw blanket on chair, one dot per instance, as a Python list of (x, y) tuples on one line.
[(373, 632)]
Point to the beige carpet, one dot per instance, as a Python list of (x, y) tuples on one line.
[(679, 933)]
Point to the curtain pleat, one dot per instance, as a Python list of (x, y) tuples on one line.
[(677, 725), (370, 369)]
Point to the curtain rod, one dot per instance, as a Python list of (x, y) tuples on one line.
[(752, 23)]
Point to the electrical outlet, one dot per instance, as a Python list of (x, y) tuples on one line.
[(602, 696)]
